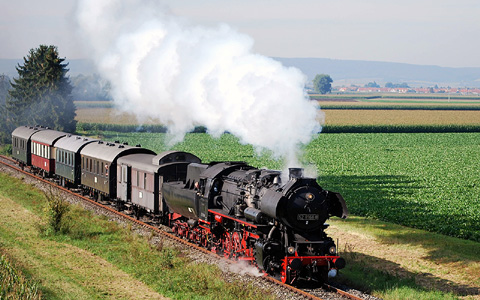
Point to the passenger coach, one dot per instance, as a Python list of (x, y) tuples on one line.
[(141, 177), (22, 144), (67, 161), (99, 166), (43, 150)]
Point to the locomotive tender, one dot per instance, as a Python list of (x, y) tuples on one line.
[(231, 208)]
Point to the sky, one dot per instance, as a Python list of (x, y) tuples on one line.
[(443, 32)]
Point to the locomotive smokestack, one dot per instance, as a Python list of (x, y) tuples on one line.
[(295, 173)]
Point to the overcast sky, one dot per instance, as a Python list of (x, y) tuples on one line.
[(442, 32)]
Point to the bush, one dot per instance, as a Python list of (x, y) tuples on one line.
[(56, 211), (6, 150)]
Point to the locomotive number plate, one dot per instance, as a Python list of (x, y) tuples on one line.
[(307, 217)]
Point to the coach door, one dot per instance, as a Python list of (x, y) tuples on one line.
[(127, 182)]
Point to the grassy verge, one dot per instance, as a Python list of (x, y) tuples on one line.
[(395, 262), (97, 259)]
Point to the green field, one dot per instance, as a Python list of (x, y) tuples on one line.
[(422, 180)]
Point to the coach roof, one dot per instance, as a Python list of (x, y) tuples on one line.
[(110, 151), (25, 132), (47, 136), (73, 143), (141, 161)]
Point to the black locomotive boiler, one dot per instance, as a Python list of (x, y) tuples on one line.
[(249, 214)]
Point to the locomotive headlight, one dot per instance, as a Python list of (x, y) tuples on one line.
[(310, 197), (332, 250), (291, 250)]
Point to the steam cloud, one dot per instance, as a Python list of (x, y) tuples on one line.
[(161, 67)]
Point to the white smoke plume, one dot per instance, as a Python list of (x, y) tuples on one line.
[(161, 67)]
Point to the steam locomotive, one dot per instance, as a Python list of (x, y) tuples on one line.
[(230, 208)]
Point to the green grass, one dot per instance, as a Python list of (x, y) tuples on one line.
[(13, 284)]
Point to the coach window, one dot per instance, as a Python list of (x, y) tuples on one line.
[(145, 180), (101, 168), (97, 171)]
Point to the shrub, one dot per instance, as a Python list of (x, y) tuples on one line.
[(56, 211)]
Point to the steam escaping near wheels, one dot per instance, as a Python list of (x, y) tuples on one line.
[(162, 67)]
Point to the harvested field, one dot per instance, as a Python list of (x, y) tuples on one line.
[(401, 117)]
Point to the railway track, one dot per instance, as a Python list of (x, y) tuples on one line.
[(327, 292)]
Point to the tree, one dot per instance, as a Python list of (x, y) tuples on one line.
[(372, 84), (322, 83), (42, 93)]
